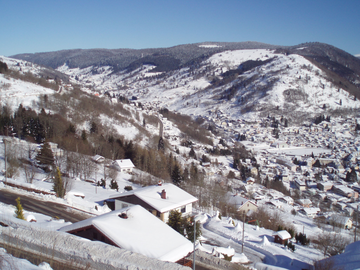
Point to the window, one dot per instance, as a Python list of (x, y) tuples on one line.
[(158, 213), (183, 209), (124, 205)]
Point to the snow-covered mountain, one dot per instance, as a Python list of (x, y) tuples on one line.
[(242, 80)]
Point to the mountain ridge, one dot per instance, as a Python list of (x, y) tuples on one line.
[(238, 78), (80, 57)]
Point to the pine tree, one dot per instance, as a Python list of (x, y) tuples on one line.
[(184, 225), (161, 144), (351, 176), (45, 156), (192, 153), (189, 228), (58, 184), (83, 135), (19, 210), (176, 175), (175, 221)]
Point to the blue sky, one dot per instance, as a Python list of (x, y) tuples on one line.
[(49, 25)]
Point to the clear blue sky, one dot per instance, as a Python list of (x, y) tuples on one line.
[(49, 25)]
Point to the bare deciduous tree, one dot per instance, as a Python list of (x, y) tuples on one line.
[(30, 172), (327, 264), (331, 243)]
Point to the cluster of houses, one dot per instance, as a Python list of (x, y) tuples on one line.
[(318, 178)]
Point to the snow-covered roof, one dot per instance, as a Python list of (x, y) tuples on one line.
[(141, 232), (283, 234), (175, 196), (343, 189), (276, 203), (311, 210), (124, 163), (237, 200)]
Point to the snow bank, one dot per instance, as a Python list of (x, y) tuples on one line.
[(8, 262), (263, 266)]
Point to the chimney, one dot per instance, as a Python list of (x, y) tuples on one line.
[(123, 215), (163, 194), (159, 183)]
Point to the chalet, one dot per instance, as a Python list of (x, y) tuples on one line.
[(98, 159), (340, 221), (123, 165), (301, 185), (159, 200), (345, 191), (250, 180), (206, 164), (285, 177), (274, 204), (324, 186), (242, 204), (304, 202), (310, 212), (287, 200), (135, 229), (281, 236)]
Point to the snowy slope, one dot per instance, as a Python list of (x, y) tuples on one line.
[(285, 84), (14, 92)]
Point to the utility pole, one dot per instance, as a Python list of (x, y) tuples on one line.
[(243, 234), (357, 214), (4, 141), (194, 243)]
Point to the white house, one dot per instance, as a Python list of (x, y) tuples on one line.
[(135, 229), (124, 165), (287, 200), (310, 212), (242, 204), (340, 221), (300, 184), (159, 200)]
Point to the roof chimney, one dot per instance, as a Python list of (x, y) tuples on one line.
[(123, 215), (163, 194)]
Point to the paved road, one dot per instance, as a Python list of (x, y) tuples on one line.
[(52, 209)]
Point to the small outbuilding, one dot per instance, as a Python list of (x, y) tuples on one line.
[(281, 236)]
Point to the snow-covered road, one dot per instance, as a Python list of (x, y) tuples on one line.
[(218, 240)]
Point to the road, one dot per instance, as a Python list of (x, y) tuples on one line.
[(52, 209)]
